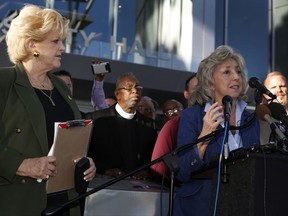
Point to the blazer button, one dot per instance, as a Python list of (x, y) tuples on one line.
[(18, 130), (193, 162), (23, 181)]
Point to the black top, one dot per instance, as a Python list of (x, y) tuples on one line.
[(61, 112)]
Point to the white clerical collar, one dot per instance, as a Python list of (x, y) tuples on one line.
[(124, 114)]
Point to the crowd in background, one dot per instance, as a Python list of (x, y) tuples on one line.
[(125, 134)]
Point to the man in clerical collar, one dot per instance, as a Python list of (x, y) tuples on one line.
[(121, 141)]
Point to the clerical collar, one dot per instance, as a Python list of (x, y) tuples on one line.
[(124, 114)]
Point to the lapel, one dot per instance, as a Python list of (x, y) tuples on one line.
[(33, 106), (247, 138)]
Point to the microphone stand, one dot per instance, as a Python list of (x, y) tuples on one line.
[(171, 161), (170, 158), (225, 150)]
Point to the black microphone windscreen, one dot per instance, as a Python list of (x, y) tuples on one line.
[(277, 110), (227, 99), (261, 111), (227, 103), (252, 82)]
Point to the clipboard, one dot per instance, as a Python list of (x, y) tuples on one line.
[(71, 141)]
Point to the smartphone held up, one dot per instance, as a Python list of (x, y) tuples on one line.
[(100, 68)]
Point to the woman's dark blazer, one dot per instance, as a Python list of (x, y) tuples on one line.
[(23, 135)]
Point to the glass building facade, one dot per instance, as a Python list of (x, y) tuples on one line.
[(174, 34), (169, 34), (157, 33)]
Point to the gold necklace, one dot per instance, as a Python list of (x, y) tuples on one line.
[(37, 84), (49, 96), (45, 84)]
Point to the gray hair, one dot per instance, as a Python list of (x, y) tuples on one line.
[(203, 92), (121, 77)]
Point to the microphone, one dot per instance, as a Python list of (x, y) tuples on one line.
[(264, 113), (254, 83), (278, 112), (227, 103)]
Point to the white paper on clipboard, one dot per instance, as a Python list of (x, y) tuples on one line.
[(56, 125), (71, 140)]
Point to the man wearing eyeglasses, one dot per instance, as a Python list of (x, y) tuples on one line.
[(121, 138), (171, 108), (147, 107), (167, 137)]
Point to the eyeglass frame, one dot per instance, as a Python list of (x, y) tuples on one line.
[(172, 111)]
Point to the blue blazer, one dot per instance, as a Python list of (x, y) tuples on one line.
[(194, 195), (23, 135)]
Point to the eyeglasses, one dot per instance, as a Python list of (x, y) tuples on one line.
[(130, 88), (172, 112)]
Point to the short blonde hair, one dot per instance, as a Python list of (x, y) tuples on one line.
[(33, 24), (203, 92)]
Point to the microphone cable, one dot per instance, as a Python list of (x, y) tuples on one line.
[(219, 169)]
